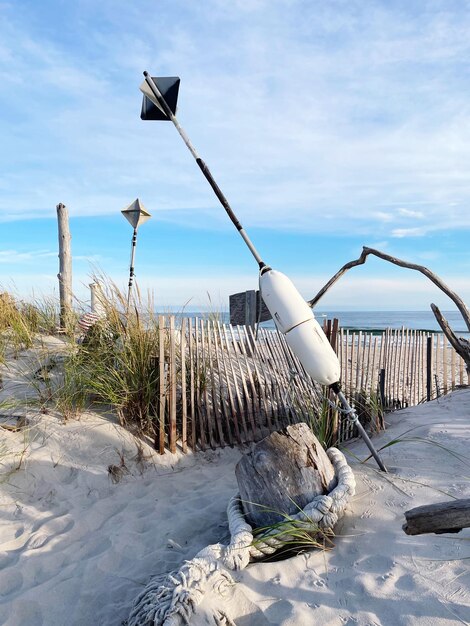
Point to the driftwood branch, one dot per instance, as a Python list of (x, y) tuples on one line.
[(461, 345), (443, 517)]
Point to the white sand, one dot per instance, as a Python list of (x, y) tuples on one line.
[(76, 547)]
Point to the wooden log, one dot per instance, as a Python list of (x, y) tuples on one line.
[(65, 267), (443, 517), (283, 473)]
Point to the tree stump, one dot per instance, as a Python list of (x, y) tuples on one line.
[(282, 474)]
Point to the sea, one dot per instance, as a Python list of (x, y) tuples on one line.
[(373, 321)]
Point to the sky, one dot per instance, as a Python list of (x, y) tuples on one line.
[(329, 126)]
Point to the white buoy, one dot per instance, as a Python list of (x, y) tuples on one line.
[(296, 321)]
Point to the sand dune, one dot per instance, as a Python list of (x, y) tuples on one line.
[(79, 541)]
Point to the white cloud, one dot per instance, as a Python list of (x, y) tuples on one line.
[(410, 213), (383, 217), (16, 257), (312, 116), (409, 232)]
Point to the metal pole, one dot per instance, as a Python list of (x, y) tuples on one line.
[(131, 269), (352, 416), (204, 169)]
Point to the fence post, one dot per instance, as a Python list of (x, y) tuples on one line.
[(382, 386), (428, 367), (65, 267)]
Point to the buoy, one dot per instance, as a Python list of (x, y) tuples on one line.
[(296, 321)]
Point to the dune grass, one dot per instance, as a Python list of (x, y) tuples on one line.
[(116, 363)]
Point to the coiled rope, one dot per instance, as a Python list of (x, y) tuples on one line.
[(171, 599)]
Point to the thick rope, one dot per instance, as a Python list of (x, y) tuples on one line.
[(171, 599)]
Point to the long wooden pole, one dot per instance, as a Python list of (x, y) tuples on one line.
[(65, 266)]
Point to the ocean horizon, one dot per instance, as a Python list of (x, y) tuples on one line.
[(365, 320)]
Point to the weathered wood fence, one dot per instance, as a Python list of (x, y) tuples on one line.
[(222, 385), (405, 367)]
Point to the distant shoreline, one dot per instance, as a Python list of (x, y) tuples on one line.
[(373, 322)]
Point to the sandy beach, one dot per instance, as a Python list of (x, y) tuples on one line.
[(88, 514)]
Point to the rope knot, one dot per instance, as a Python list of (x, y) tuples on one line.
[(171, 600)]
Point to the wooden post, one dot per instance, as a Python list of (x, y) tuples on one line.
[(428, 367), (250, 308), (65, 266), (97, 300), (382, 387)]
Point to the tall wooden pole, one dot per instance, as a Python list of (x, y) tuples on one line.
[(65, 266)]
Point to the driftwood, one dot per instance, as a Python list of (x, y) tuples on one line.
[(460, 345), (65, 267), (282, 474), (443, 517)]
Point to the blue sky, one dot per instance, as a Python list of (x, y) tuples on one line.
[(328, 125)]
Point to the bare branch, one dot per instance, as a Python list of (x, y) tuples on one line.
[(446, 329), (459, 303)]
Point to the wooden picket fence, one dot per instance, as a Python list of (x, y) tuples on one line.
[(404, 367), (221, 385)]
